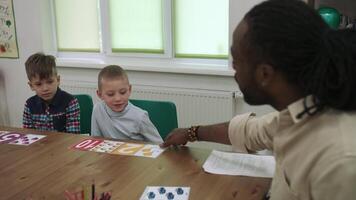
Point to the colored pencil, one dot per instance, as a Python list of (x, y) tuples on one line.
[(93, 190)]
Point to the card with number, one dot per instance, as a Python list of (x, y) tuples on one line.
[(87, 144), (7, 137), (116, 147), (164, 193), (27, 139), (107, 146), (150, 150), (133, 149)]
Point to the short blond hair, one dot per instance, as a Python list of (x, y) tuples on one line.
[(111, 72)]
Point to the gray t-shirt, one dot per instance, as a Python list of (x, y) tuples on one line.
[(132, 123)]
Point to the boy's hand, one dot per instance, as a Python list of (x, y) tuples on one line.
[(73, 195), (178, 136)]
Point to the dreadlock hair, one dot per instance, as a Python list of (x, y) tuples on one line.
[(294, 39)]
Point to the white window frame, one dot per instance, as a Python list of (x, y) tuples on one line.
[(139, 61)]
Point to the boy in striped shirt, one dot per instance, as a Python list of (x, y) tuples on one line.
[(51, 108)]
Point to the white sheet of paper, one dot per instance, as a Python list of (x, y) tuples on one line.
[(229, 163)]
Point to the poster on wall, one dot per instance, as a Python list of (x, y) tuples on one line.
[(8, 41)]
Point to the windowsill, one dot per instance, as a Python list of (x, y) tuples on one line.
[(219, 68)]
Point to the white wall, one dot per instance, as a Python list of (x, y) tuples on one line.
[(27, 15), (33, 38)]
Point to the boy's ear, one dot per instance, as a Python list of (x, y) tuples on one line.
[(30, 84), (98, 92), (130, 88), (58, 78)]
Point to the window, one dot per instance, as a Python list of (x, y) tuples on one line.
[(77, 31), (136, 26), (174, 30), (201, 28)]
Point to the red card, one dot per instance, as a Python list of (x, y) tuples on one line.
[(87, 144)]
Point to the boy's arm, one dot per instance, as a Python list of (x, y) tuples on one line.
[(149, 131), (94, 124), (73, 117), (27, 120)]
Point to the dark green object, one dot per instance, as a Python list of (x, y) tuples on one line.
[(163, 114), (86, 109), (331, 16), (8, 23)]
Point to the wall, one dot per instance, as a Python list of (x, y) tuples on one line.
[(4, 112), (27, 15), (31, 18)]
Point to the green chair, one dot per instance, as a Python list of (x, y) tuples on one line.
[(86, 109), (163, 114)]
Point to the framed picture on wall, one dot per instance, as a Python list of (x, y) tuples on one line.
[(8, 40)]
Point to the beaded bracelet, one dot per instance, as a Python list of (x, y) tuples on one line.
[(193, 133)]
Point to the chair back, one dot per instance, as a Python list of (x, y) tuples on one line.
[(163, 114), (86, 109)]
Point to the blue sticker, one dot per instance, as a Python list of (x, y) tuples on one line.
[(180, 191), (170, 195), (162, 190), (151, 195)]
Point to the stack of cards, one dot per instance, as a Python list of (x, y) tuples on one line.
[(121, 148), (19, 138), (165, 193)]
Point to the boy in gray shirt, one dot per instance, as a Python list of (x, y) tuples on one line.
[(115, 117)]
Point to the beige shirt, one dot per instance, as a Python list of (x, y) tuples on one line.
[(315, 155)]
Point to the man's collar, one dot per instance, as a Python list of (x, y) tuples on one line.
[(299, 106)]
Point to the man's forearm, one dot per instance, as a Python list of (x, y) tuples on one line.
[(215, 133)]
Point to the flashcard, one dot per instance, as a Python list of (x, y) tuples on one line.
[(7, 137), (132, 149), (4, 132), (87, 144), (165, 193), (27, 139), (150, 150), (106, 146), (128, 149), (121, 148)]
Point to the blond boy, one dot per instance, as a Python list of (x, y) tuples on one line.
[(115, 117)]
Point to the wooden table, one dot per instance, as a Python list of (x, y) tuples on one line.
[(47, 167)]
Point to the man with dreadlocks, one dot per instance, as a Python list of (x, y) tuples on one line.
[(286, 56)]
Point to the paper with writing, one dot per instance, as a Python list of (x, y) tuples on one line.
[(230, 163)]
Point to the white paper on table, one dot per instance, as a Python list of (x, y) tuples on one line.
[(229, 163)]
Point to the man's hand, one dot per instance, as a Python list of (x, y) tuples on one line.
[(178, 136)]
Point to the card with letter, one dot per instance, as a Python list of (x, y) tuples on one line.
[(27, 139), (107, 146), (164, 193), (7, 137)]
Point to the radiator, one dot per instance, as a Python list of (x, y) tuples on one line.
[(193, 106)]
